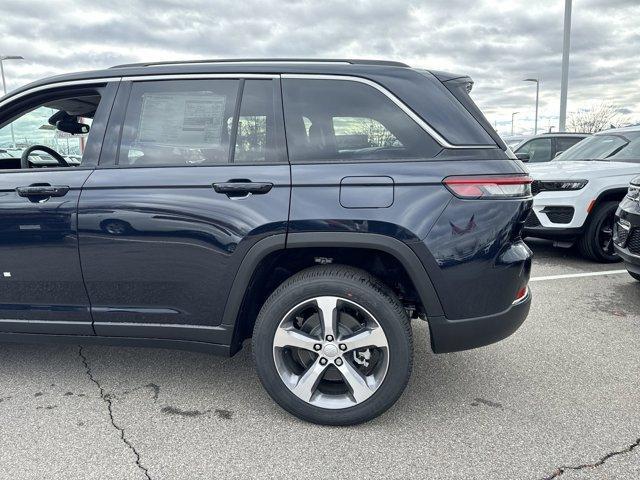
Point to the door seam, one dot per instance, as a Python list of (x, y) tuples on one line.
[(84, 283)]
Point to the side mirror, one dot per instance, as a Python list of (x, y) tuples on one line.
[(523, 157), (558, 153)]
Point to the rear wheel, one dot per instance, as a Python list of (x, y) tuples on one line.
[(596, 242), (332, 345)]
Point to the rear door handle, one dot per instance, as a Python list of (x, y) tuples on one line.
[(242, 188), (43, 191)]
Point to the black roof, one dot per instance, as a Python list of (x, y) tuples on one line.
[(364, 68)]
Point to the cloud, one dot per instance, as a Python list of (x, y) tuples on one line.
[(499, 43)]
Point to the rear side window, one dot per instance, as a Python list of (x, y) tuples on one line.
[(345, 121), (565, 143), (258, 137), (178, 122)]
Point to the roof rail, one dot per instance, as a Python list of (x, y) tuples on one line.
[(564, 132), (267, 60)]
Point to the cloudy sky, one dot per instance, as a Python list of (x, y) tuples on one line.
[(498, 42)]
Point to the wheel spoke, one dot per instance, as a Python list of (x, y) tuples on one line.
[(370, 337), (608, 246), (328, 315), (309, 380), (289, 337), (355, 381)]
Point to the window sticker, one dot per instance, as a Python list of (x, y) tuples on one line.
[(192, 119)]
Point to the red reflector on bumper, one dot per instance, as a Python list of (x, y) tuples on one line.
[(522, 293)]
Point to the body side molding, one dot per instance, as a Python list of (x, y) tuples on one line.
[(190, 345)]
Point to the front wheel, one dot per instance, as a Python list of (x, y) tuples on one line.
[(596, 242), (332, 345), (635, 276)]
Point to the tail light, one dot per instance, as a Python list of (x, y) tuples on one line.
[(489, 186)]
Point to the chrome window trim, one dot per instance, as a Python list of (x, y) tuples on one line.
[(424, 125), (194, 76)]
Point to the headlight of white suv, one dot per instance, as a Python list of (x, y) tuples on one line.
[(561, 185)]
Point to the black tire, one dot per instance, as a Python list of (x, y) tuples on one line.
[(634, 275), (592, 242), (355, 285)]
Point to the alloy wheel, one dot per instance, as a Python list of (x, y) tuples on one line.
[(331, 352), (605, 235)]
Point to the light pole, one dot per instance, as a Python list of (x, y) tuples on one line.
[(4, 87), (537, 80), (566, 47), (512, 117)]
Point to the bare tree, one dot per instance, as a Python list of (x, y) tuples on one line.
[(376, 133), (597, 118)]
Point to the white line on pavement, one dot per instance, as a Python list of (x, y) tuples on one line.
[(577, 275)]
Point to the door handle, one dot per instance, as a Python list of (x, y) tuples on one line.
[(242, 188), (43, 191)]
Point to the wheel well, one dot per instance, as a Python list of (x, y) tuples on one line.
[(278, 266), (615, 194)]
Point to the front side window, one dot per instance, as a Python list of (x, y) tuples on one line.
[(539, 150), (178, 122), (58, 129), (631, 151), (344, 121)]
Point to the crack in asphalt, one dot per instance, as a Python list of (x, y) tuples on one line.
[(107, 399), (560, 470)]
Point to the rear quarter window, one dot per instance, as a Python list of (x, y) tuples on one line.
[(345, 121)]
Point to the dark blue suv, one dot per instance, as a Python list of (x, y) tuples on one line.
[(315, 206)]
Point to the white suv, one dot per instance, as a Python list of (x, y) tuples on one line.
[(576, 194)]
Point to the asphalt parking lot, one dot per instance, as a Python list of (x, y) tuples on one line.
[(559, 399)]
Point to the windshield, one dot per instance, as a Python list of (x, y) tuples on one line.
[(615, 147)]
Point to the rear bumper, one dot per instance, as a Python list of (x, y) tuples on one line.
[(455, 335)]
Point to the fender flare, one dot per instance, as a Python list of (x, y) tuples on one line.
[(396, 248), (610, 191)]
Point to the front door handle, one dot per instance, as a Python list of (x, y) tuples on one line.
[(242, 188), (43, 190)]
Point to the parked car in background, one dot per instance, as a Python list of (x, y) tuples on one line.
[(546, 146), (577, 194), (626, 232), (315, 207)]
